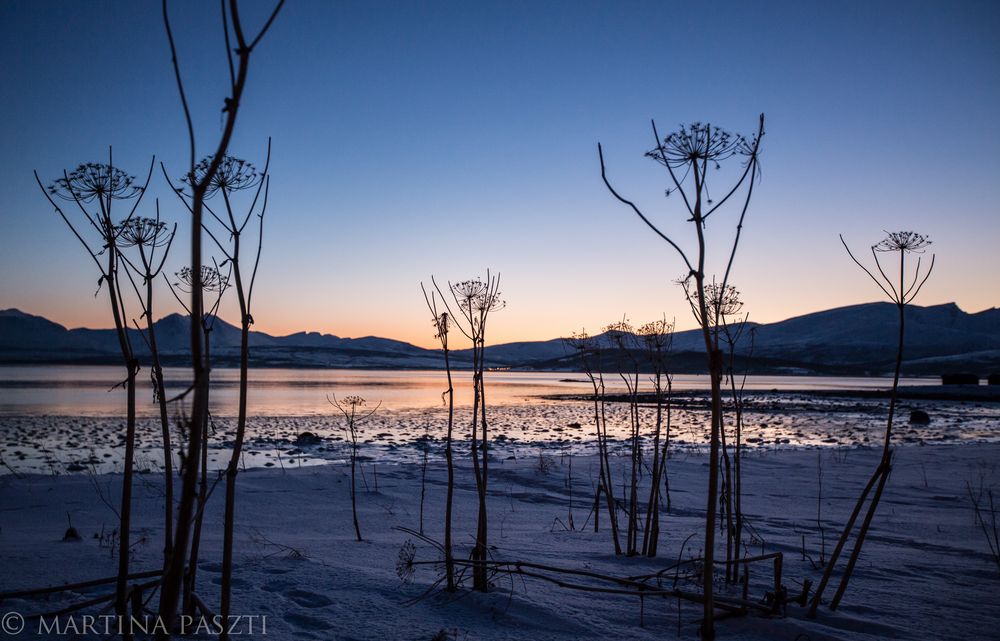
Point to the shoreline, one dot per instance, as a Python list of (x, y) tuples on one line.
[(782, 420), (924, 561)]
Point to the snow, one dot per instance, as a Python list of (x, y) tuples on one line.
[(925, 572)]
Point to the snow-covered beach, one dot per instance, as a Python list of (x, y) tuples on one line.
[(926, 572), (300, 573)]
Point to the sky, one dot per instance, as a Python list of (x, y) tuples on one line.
[(413, 139)]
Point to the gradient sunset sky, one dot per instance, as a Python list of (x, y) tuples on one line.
[(443, 138)]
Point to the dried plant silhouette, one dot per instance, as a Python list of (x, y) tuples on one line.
[(724, 303), (353, 409), (442, 323), (94, 188), (656, 339), (623, 338), (148, 236), (588, 350), (733, 334), (984, 509), (689, 155), (902, 292), (233, 175), (213, 283), (203, 180), (475, 300)]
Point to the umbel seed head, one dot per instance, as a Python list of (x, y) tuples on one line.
[(233, 174), (210, 278), (902, 241), (145, 232), (93, 180), (700, 143)]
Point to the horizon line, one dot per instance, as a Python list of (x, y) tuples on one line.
[(534, 340)]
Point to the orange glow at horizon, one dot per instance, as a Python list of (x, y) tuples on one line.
[(532, 321)]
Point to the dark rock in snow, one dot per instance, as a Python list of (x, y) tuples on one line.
[(919, 417), (307, 438)]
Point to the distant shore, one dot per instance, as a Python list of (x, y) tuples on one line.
[(983, 393)]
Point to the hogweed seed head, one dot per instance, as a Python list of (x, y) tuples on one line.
[(902, 241), (233, 174), (701, 143), (353, 401), (146, 232), (94, 180), (210, 278)]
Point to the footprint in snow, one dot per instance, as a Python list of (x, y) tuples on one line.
[(276, 585), (308, 599), (275, 570), (306, 622)]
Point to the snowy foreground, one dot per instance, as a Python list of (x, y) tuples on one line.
[(926, 572)]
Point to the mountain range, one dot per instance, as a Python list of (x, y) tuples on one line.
[(853, 340)]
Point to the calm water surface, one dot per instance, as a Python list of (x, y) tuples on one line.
[(71, 418), (56, 390)]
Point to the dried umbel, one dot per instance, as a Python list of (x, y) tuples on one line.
[(405, 566), (583, 342), (657, 335), (702, 144), (441, 324), (902, 241), (211, 279), (476, 298), (353, 401), (622, 334), (233, 174), (489, 302), (725, 300), (95, 180), (142, 232), (468, 291), (720, 301)]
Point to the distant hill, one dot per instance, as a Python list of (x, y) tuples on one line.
[(858, 339), (25, 338)]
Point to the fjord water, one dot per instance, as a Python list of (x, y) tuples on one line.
[(57, 418), (70, 390)]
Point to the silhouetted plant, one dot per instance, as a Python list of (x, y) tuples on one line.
[(722, 302), (656, 339), (732, 334), (985, 509), (901, 293), (234, 175), (689, 155), (442, 323), (352, 407), (94, 188), (238, 62), (622, 336), (212, 282), (588, 349), (475, 300), (148, 236)]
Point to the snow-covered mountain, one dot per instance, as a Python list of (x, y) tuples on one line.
[(854, 339)]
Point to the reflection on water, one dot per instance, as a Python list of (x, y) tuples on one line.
[(59, 419), (55, 390)]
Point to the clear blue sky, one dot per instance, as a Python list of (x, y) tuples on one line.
[(442, 138)]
